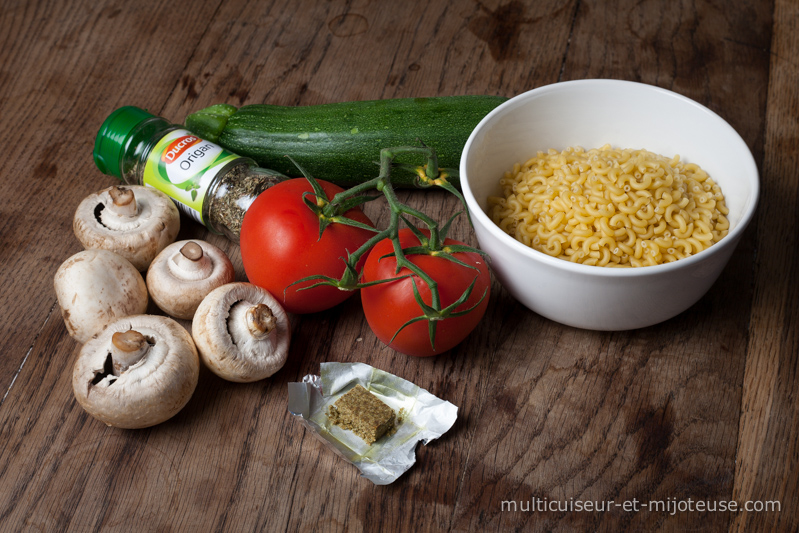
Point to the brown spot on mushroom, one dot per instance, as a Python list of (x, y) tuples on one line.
[(67, 322)]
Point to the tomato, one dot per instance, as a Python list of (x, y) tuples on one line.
[(389, 305), (280, 244)]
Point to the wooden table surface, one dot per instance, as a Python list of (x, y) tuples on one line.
[(701, 407)]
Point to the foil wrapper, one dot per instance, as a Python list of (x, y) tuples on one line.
[(424, 417)]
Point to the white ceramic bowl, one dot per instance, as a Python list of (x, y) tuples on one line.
[(591, 113)]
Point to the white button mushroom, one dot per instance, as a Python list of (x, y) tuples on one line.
[(94, 287), (184, 273), (140, 371), (241, 332), (134, 221)]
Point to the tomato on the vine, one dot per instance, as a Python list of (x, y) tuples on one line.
[(280, 245), (390, 305)]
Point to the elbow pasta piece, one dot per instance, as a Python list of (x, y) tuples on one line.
[(610, 207), (660, 227), (645, 233)]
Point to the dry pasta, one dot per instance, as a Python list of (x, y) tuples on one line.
[(611, 207)]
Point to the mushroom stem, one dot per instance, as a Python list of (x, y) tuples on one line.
[(123, 201), (260, 321), (247, 321), (190, 263), (191, 250), (128, 348)]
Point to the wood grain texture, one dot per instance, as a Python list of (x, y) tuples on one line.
[(701, 406), (768, 469), (66, 66)]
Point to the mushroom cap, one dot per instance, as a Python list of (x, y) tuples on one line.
[(94, 287), (177, 284), (139, 236), (149, 391), (225, 346)]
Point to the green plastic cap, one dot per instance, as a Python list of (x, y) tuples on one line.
[(109, 147)]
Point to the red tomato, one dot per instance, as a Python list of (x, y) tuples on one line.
[(389, 305), (280, 244)]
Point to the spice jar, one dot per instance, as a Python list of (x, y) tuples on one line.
[(208, 183)]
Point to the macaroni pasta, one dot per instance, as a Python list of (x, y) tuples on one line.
[(611, 207)]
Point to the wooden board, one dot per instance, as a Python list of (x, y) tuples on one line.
[(700, 407)]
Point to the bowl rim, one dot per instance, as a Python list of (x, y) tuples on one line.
[(730, 239)]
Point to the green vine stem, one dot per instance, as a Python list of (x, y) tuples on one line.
[(332, 210)]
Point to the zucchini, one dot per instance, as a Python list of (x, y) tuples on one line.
[(341, 142)]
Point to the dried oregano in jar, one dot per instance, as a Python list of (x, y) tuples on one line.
[(208, 183), (233, 194)]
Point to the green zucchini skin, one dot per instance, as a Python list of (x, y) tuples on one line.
[(341, 142)]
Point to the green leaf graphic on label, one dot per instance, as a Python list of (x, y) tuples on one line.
[(183, 167)]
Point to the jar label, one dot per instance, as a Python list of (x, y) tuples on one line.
[(183, 166)]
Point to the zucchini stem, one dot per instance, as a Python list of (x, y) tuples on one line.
[(209, 123)]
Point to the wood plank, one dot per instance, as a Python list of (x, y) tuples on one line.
[(545, 410), (72, 65), (649, 414), (222, 489), (767, 470), (315, 81)]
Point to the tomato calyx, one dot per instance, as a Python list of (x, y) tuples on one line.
[(433, 315), (331, 212), (431, 175)]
